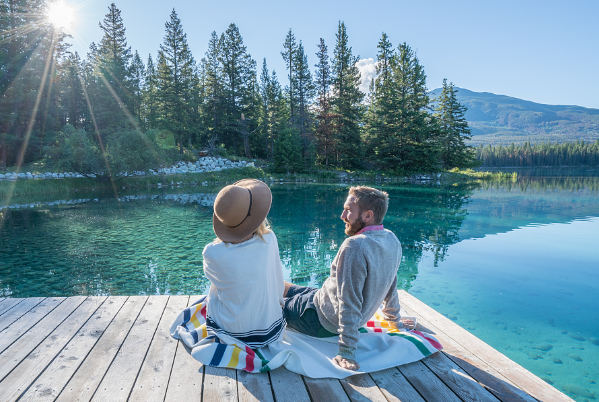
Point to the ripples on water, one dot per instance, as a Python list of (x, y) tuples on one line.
[(514, 263)]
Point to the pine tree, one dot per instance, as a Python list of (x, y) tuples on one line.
[(151, 95), (176, 71), (290, 55), (239, 76), (114, 103), (325, 141), (382, 107), (73, 94), (454, 130), (287, 156), (138, 78), (305, 95), (213, 78), (347, 99), (408, 144)]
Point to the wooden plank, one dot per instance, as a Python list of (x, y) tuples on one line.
[(288, 386), (19, 349), (86, 379), (426, 383), (120, 377), (25, 322), (325, 389), (517, 374), (17, 382), (459, 381), (186, 377), (395, 387), (254, 387), (9, 303), (187, 374), (487, 376), (362, 388), (220, 384), (18, 311), (49, 384), (152, 381)]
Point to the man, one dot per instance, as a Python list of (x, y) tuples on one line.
[(363, 274)]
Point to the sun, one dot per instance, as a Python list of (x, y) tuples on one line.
[(60, 15)]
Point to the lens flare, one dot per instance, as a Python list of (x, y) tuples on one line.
[(60, 15)]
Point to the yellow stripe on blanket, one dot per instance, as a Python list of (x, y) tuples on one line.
[(234, 358), (194, 320)]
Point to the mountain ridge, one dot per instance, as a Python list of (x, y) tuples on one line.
[(502, 119)]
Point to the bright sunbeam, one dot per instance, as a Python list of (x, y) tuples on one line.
[(60, 15)]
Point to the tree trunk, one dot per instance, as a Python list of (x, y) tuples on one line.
[(246, 144), (3, 151)]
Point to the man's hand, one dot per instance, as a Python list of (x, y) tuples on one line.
[(346, 363)]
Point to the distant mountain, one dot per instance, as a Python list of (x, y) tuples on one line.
[(499, 119)]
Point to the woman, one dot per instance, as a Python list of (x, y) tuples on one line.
[(244, 267)]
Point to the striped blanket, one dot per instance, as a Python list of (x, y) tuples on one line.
[(380, 347)]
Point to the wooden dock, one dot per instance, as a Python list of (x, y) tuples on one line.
[(118, 348)]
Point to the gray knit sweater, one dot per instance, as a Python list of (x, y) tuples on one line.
[(363, 274)]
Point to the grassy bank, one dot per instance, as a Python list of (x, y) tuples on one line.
[(469, 174), (71, 185)]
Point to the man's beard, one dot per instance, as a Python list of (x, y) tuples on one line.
[(355, 227)]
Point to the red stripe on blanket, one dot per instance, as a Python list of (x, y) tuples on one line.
[(433, 342), (249, 359), (370, 324), (378, 330), (203, 311)]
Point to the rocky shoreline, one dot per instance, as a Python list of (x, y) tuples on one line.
[(205, 164)]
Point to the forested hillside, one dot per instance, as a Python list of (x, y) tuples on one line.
[(498, 119), (92, 112)]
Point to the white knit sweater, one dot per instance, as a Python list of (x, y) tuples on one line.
[(246, 291)]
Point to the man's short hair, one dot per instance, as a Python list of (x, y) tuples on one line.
[(369, 198)]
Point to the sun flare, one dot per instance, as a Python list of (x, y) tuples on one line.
[(60, 15)]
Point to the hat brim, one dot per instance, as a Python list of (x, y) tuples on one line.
[(261, 202)]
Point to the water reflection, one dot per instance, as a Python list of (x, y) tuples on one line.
[(150, 241)]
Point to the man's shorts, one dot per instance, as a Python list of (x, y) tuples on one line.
[(300, 312)]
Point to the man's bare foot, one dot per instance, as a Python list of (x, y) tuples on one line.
[(346, 363), (287, 286)]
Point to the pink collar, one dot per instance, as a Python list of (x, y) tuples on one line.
[(370, 228)]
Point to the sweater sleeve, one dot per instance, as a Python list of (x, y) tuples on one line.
[(391, 305), (352, 270)]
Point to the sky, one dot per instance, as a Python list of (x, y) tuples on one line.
[(541, 51)]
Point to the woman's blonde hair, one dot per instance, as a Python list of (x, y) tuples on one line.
[(263, 229)]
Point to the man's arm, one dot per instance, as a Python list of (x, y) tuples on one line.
[(351, 275), (391, 305)]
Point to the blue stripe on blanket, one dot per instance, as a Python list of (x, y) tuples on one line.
[(218, 355), (186, 316), (194, 334)]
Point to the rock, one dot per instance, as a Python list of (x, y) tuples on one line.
[(534, 356), (576, 337), (575, 357), (557, 360), (547, 380), (2, 176), (578, 390), (545, 347), (594, 341)]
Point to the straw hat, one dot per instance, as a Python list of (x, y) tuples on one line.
[(240, 208)]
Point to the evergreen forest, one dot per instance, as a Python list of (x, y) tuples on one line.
[(578, 153), (113, 106)]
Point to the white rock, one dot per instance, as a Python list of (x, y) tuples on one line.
[(61, 175)]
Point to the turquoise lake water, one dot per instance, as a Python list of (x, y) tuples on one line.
[(516, 264)]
